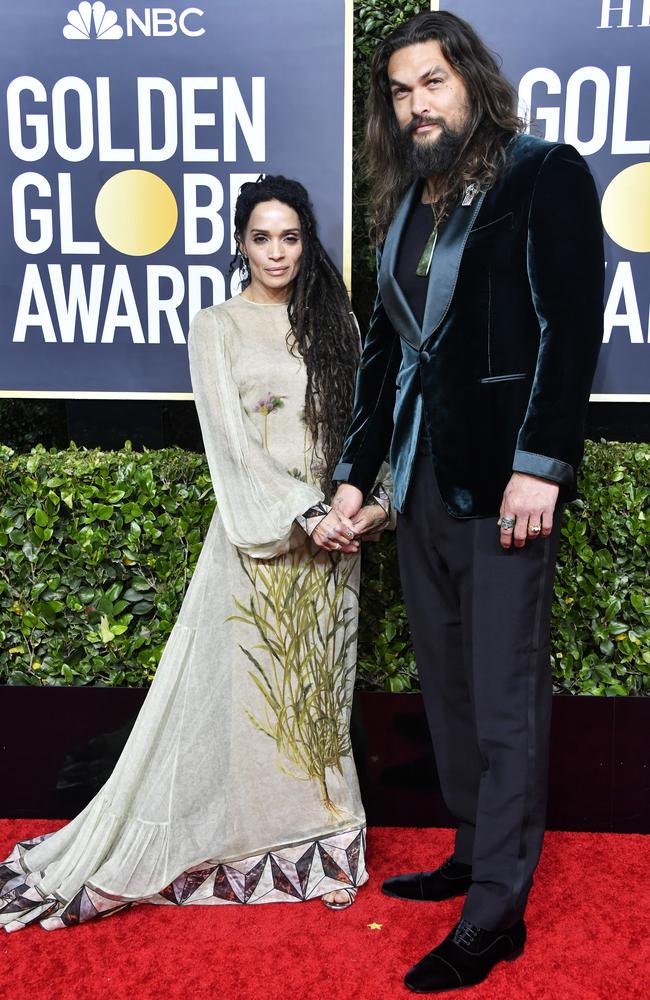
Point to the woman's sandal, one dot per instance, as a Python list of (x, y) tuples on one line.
[(352, 895)]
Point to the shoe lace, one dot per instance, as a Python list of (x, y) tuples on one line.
[(464, 933)]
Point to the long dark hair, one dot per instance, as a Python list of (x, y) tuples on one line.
[(493, 117), (323, 330)]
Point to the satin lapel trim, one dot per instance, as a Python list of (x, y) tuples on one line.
[(392, 297), (445, 266)]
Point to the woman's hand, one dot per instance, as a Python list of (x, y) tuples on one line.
[(335, 533)]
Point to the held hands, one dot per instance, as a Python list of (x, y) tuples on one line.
[(348, 521), (526, 509), (367, 521), (335, 533)]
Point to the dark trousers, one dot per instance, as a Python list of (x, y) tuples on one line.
[(479, 617)]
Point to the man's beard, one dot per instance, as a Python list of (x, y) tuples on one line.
[(423, 158)]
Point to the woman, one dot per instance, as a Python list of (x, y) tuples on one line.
[(237, 783)]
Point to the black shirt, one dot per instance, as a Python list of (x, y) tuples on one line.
[(417, 231)]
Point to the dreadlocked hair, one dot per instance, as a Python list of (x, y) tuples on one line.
[(323, 330), (493, 117)]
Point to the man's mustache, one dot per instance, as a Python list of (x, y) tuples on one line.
[(423, 120)]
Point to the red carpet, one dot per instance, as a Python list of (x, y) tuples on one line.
[(588, 924)]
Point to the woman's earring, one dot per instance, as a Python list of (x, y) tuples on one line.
[(243, 268)]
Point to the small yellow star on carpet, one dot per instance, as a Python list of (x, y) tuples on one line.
[(375, 927)]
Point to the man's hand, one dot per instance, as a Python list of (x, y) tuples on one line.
[(369, 522), (527, 509), (347, 500)]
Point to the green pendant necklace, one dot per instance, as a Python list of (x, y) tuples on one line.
[(424, 263)]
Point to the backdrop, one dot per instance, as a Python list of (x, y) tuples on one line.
[(125, 133), (583, 74)]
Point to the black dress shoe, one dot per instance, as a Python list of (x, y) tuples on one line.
[(451, 879), (466, 957)]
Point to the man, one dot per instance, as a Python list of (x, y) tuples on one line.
[(476, 373)]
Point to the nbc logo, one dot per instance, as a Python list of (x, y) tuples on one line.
[(92, 20)]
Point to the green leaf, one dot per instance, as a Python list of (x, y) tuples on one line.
[(30, 552), (133, 595), (114, 592), (142, 607), (102, 511), (105, 633)]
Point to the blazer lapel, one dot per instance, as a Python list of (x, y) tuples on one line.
[(445, 265), (392, 297)]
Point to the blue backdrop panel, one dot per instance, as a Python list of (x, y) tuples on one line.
[(583, 75), (98, 280)]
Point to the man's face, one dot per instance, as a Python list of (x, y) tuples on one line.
[(431, 105)]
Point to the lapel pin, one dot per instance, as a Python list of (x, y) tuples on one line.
[(470, 193)]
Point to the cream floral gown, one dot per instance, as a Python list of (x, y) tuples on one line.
[(237, 784)]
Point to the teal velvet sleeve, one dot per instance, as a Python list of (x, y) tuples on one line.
[(566, 274)]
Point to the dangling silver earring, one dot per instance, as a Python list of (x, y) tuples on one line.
[(243, 268)]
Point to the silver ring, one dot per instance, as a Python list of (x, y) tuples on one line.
[(535, 528), (507, 523)]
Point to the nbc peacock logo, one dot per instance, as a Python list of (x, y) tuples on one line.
[(92, 20)]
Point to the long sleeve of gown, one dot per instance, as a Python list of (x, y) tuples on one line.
[(257, 498)]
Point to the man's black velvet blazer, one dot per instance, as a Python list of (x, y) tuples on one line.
[(501, 369)]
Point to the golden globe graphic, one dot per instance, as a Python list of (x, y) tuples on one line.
[(136, 212), (626, 208)]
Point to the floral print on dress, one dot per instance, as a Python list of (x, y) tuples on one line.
[(303, 612), (266, 406)]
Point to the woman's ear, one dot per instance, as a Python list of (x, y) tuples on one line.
[(240, 247)]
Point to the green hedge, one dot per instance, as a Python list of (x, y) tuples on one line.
[(96, 552), (96, 549)]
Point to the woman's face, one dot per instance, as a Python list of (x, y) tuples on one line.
[(273, 245)]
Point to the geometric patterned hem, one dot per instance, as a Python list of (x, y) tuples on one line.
[(292, 874)]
